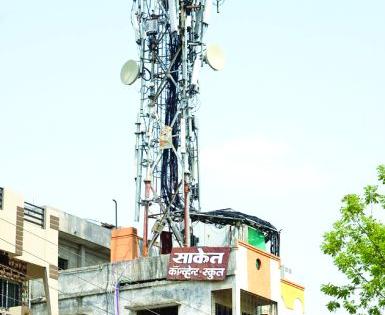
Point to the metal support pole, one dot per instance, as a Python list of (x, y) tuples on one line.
[(116, 213), (187, 237), (147, 189)]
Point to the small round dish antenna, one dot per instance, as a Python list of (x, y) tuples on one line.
[(129, 72), (215, 57)]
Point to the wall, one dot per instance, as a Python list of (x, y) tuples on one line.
[(11, 201), (41, 245), (83, 229), (266, 282), (35, 245), (70, 252), (90, 290), (84, 290), (79, 255), (293, 297), (209, 235), (192, 298)]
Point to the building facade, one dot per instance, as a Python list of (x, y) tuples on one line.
[(53, 263), (35, 243), (28, 251), (140, 286), (254, 283)]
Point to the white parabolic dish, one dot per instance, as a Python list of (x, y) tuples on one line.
[(215, 57), (129, 72)]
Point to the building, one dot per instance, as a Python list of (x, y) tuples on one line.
[(28, 251), (81, 242), (88, 283), (254, 282), (36, 242)]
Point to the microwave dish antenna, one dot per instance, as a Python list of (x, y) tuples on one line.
[(215, 57), (129, 72)]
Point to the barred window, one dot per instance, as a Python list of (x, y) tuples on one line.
[(10, 294)]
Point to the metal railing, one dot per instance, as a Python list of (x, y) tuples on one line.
[(34, 214), (1, 197)]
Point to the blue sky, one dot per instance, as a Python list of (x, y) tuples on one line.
[(293, 122)]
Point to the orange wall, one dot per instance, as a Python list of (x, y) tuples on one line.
[(124, 244), (259, 281)]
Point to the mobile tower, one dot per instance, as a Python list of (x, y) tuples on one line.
[(170, 39)]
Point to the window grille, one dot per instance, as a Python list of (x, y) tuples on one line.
[(34, 214)]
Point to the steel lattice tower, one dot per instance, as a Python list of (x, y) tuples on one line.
[(169, 35)]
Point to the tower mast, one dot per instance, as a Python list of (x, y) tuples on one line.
[(169, 35)]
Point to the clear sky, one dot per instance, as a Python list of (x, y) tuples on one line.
[(295, 121)]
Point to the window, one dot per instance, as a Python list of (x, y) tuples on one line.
[(34, 214), (10, 294), (173, 310), (222, 310), (62, 264)]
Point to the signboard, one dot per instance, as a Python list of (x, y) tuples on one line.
[(12, 269), (198, 263)]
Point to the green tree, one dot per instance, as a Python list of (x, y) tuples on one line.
[(356, 243)]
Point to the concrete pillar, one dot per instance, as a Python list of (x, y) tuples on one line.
[(51, 291), (236, 298), (124, 244)]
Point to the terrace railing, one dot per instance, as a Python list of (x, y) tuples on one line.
[(34, 214)]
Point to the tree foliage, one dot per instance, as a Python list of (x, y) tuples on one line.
[(356, 243)]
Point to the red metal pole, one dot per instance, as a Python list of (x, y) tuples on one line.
[(147, 187), (186, 215)]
